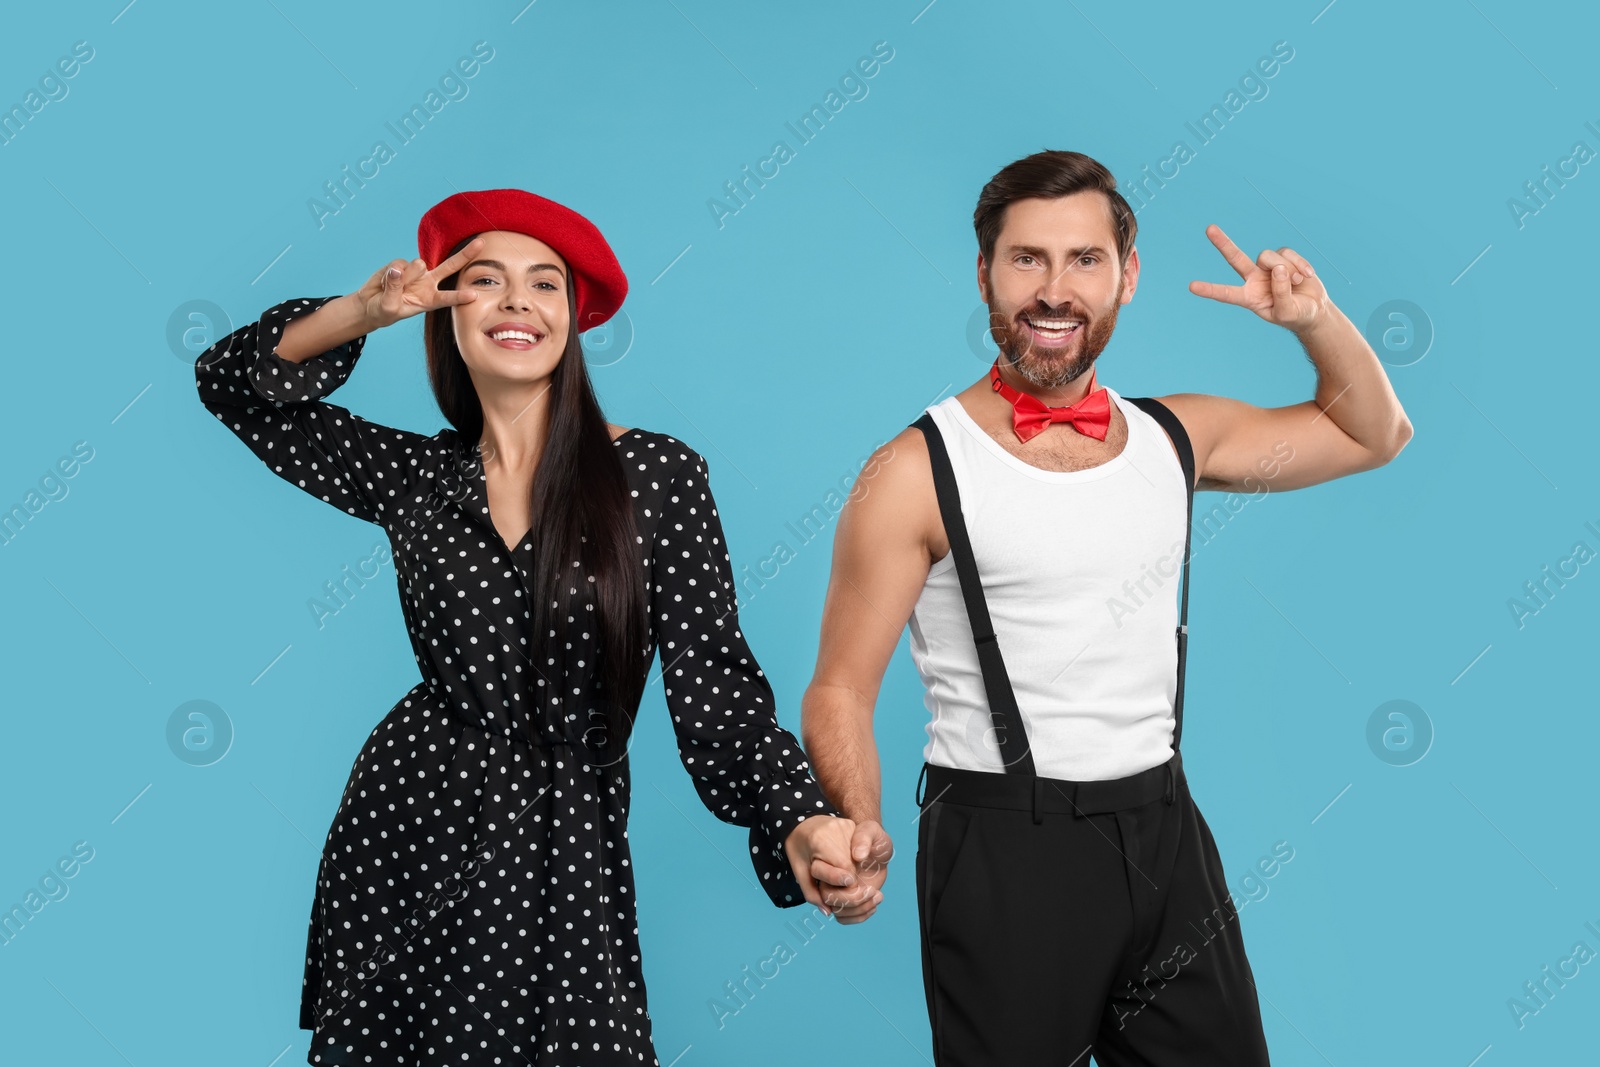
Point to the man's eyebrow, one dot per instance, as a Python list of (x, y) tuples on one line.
[(497, 265), (1035, 250)]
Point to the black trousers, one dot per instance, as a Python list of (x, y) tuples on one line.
[(1067, 919)]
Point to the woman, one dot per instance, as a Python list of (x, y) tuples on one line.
[(475, 901)]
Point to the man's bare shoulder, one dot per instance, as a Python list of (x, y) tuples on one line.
[(1194, 409), (892, 501), (898, 469)]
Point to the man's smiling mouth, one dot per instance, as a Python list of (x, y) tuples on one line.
[(1052, 329)]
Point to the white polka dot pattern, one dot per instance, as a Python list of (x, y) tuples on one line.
[(475, 900)]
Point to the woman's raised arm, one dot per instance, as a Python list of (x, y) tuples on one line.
[(274, 406), (265, 382), (395, 291)]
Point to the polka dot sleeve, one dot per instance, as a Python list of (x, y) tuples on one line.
[(748, 770), (274, 406)]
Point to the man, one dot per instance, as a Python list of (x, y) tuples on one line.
[(1071, 896)]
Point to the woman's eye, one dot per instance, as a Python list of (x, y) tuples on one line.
[(491, 280)]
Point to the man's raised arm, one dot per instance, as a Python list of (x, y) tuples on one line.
[(1354, 423)]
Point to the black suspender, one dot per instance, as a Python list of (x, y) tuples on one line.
[(1180, 438), (1015, 751)]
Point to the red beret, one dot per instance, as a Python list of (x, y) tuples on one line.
[(598, 282)]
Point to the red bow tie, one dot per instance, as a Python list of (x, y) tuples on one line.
[(1090, 416)]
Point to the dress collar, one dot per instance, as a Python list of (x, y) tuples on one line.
[(462, 482)]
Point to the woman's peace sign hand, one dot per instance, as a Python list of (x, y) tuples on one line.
[(399, 289), (1279, 286)]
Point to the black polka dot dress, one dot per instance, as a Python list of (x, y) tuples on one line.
[(475, 899)]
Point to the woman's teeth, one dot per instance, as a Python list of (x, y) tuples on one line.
[(515, 335)]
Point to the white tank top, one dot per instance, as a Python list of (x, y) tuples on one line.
[(1081, 571)]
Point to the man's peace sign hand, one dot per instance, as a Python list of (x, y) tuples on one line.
[(399, 289), (1279, 286)]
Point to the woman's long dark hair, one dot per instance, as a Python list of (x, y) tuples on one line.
[(583, 512)]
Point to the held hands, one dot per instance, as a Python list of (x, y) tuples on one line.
[(840, 865), (1279, 286), (399, 289), (872, 850)]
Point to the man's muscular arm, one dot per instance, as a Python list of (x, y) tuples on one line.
[(881, 556), (1354, 422)]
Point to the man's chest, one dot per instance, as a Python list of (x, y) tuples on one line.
[(1061, 448)]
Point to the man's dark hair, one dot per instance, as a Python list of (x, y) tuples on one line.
[(1050, 174)]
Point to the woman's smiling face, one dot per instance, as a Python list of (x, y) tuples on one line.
[(517, 327)]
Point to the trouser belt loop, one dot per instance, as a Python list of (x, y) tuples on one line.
[(1038, 796), (921, 777), (1172, 782), (1071, 793)]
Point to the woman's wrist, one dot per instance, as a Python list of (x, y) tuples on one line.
[(337, 322)]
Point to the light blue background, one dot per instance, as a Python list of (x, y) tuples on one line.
[(813, 325)]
